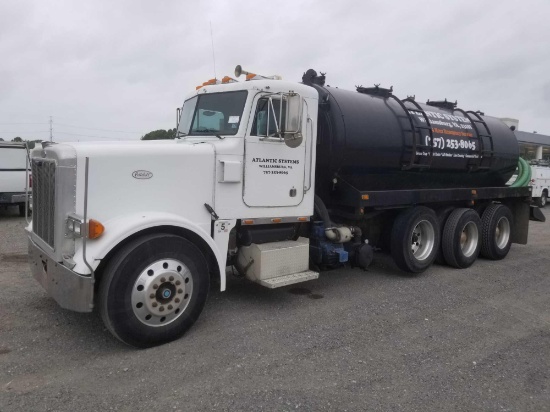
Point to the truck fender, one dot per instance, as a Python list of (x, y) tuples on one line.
[(118, 230)]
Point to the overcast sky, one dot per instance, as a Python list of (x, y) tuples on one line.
[(118, 69)]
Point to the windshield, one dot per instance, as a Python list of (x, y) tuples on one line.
[(213, 113)]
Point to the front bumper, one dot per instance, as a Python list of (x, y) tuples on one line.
[(69, 289)]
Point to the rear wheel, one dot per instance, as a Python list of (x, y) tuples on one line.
[(442, 216), (542, 200), (153, 290), (415, 239), (496, 224), (461, 238)]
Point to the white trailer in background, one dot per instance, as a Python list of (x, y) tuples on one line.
[(13, 175)]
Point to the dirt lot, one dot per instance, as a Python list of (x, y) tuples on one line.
[(474, 339)]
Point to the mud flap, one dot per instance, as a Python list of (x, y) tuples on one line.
[(536, 214)]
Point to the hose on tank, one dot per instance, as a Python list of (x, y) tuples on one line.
[(524, 174)]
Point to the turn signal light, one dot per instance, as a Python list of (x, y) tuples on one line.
[(95, 229), (365, 197)]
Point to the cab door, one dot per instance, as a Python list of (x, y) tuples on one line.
[(273, 171)]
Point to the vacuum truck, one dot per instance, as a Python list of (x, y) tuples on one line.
[(279, 180)]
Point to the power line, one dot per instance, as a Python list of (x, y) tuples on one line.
[(24, 131), (28, 123), (92, 128), (87, 135)]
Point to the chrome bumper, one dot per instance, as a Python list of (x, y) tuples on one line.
[(10, 198), (69, 289)]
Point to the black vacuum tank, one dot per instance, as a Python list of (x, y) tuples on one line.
[(375, 141)]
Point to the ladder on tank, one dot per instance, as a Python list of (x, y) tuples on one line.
[(417, 132), (478, 164)]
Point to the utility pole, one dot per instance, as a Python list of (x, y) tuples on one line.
[(51, 129)]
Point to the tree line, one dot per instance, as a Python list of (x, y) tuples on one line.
[(159, 134)]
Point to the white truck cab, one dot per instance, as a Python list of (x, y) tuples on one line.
[(540, 182), (14, 176), (244, 156)]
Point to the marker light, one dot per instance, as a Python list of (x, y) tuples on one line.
[(303, 219), (276, 220), (228, 79), (248, 222), (95, 229)]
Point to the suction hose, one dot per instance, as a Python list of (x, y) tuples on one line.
[(524, 174)]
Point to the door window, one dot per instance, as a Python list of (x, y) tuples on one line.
[(269, 117)]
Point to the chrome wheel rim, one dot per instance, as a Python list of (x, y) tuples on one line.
[(422, 240), (162, 292), (502, 232), (469, 239), (543, 200)]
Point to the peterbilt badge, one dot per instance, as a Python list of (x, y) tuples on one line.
[(142, 174)]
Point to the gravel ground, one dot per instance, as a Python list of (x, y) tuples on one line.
[(473, 339)]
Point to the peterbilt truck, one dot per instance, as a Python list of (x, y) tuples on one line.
[(280, 180)]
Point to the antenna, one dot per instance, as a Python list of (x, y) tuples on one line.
[(213, 54), (51, 129)]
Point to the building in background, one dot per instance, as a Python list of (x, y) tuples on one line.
[(532, 145)]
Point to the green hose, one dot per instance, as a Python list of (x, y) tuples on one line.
[(524, 174)]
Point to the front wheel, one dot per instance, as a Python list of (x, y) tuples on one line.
[(415, 239), (153, 290)]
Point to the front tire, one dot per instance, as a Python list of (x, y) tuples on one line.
[(153, 290), (496, 224), (415, 239), (461, 238)]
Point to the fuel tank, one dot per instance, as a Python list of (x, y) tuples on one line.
[(375, 141)]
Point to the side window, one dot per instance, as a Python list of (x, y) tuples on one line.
[(264, 123)]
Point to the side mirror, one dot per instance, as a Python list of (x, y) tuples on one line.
[(293, 120)]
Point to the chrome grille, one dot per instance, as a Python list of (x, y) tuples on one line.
[(43, 199)]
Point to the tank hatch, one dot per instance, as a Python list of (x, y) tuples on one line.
[(442, 104), (375, 91)]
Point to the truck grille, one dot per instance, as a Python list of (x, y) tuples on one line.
[(43, 199)]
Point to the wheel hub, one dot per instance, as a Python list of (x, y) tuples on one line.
[(161, 292), (422, 240)]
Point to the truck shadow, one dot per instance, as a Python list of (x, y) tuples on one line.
[(241, 297)]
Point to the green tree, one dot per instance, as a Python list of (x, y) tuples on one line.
[(17, 139), (160, 134)]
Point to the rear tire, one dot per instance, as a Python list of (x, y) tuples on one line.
[(442, 216), (461, 242), (153, 290), (415, 239), (542, 200), (496, 239)]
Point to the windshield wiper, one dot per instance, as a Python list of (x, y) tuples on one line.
[(205, 130)]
